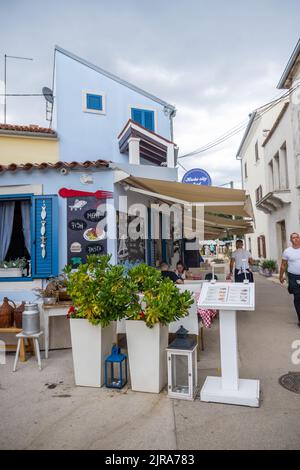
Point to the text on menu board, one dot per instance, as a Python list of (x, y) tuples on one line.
[(86, 230)]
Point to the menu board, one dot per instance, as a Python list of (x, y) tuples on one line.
[(131, 242), (86, 234), (227, 296)]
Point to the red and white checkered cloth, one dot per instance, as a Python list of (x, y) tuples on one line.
[(206, 314)]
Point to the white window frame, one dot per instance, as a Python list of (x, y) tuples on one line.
[(146, 108), (93, 111)]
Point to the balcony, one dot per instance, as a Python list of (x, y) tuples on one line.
[(140, 142), (274, 200)]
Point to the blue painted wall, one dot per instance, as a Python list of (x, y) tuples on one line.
[(86, 136)]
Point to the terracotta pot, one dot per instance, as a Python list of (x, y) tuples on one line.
[(7, 313), (18, 315)]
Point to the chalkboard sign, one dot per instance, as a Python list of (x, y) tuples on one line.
[(129, 248), (85, 235)]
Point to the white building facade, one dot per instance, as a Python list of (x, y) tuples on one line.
[(270, 165)]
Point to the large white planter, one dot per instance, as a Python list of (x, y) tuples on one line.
[(147, 356), (91, 344), (10, 272)]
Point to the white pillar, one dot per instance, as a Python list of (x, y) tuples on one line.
[(229, 351), (134, 150), (170, 156)]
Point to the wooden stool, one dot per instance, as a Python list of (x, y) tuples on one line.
[(23, 348), (35, 338)]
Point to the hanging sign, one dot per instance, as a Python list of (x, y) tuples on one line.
[(197, 176)]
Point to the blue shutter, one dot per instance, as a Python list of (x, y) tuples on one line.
[(94, 102), (149, 120), (137, 115), (44, 267)]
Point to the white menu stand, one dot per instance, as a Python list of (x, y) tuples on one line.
[(228, 298)]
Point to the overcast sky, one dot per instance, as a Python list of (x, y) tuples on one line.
[(215, 60)]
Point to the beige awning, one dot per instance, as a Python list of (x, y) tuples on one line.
[(216, 200)]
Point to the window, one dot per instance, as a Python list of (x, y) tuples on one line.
[(256, 152), (29, 229), (258, 193), (245, 171), (261, 246), (93, 103), (144, 117)]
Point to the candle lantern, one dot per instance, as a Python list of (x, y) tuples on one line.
[(116, 368), (182, 366)]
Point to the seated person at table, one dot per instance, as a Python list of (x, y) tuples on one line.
[(180, 270), (165, 272)]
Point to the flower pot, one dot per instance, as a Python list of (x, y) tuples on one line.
[(90, 346), (11, 272), (147, 356)]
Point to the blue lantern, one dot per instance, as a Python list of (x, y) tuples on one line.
[(116, 368)]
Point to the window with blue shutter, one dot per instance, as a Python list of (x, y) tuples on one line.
[(143, 117), (30, 232), (45, 236)]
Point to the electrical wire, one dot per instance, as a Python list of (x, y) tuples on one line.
[(239, 127)]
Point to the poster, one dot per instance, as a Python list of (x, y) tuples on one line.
[(85, 228), (130, 248)]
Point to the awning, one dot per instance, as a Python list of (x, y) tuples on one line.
[(216, 200)]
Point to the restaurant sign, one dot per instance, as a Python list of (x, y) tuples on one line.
[(197, 176)]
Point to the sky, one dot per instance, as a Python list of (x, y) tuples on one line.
[(216, 61)]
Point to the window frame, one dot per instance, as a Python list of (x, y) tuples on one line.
[(144, 108), (85, 93), (54, 228), (19, 197)]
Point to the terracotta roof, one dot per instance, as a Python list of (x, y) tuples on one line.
[(30, 128), (56, 166)]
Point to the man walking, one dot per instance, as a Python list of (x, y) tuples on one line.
[(242, 259), (291, 263)]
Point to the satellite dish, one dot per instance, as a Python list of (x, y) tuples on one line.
[(48, 94)]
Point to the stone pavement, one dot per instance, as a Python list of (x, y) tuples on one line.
[(44, 410)]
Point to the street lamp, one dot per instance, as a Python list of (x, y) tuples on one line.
[(5, 59)]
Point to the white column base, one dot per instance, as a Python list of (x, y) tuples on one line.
[(247, 393)]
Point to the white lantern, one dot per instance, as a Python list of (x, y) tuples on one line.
[(182, 366)]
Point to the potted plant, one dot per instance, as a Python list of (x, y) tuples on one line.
[(13, 268), (268, 267), (100, 295), (155, 303), (49, 294)]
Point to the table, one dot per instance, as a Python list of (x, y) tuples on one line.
[(228, 298), (55, 310), (23, 348)]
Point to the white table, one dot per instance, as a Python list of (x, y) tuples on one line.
[(228, 298), (56, 310)]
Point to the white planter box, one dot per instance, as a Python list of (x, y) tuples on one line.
[(11, 272), (91, 344), (147, 356)]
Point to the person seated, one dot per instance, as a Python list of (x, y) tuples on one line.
[(180, 270), (165, 272)]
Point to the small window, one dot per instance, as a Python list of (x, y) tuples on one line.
[(258, 193), (144, 117), (245, 171), (93, 103)]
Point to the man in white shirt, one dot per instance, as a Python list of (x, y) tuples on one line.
[(291, 263), (241, 258)]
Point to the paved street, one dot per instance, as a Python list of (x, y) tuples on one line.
[(44, 410)]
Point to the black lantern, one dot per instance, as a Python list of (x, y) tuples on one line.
[(116, 368), (182, 366)]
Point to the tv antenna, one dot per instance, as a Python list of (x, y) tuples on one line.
[(48, 95)]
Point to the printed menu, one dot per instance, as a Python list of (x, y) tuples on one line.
[(234, 295)]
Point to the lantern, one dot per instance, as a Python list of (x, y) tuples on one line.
[(116, 369), (182, 366)]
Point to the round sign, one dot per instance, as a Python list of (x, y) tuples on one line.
[(197, 176)]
